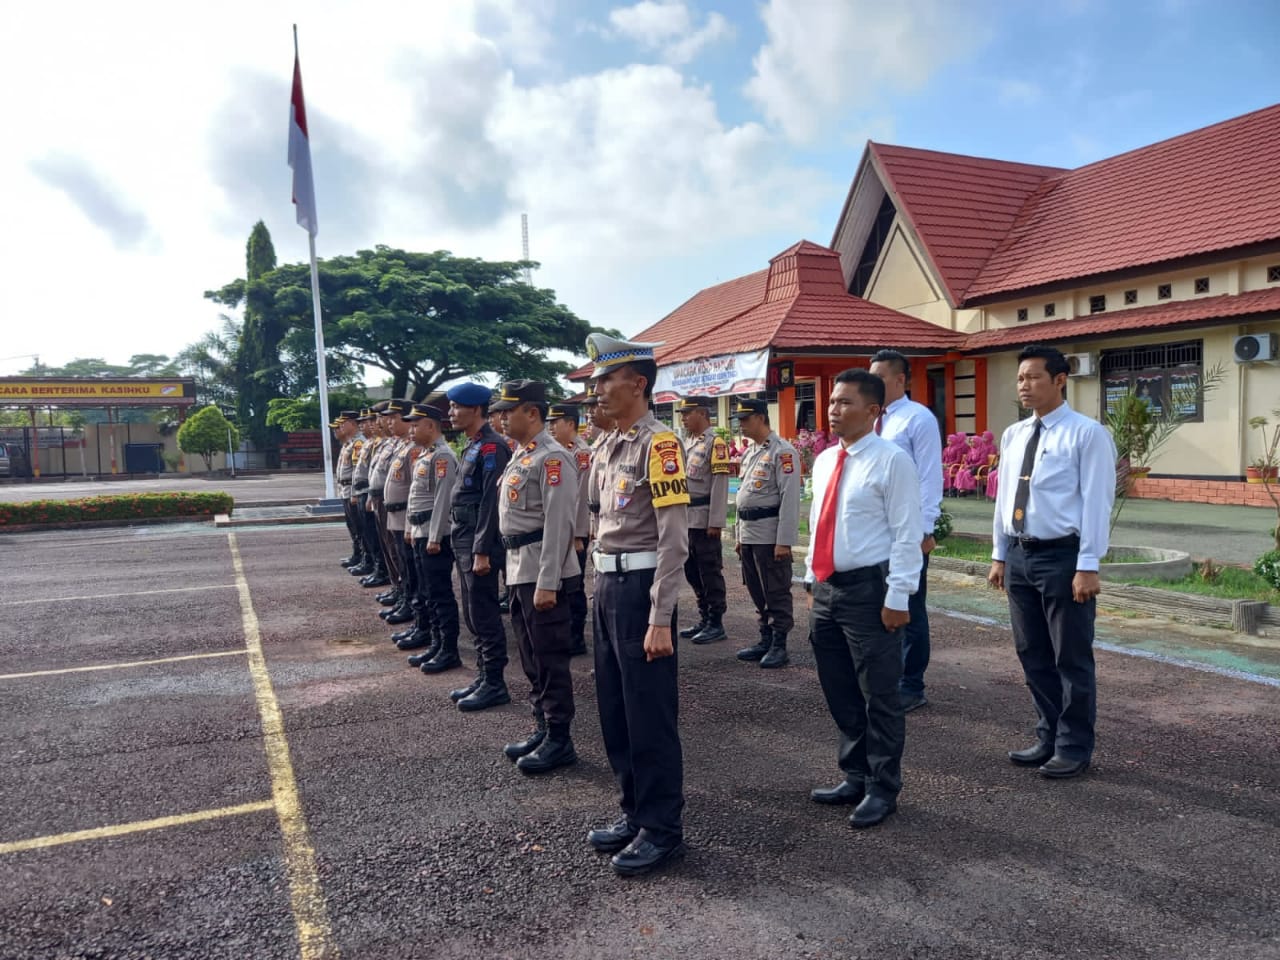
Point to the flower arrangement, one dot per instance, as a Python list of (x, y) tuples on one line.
[(810, 443)]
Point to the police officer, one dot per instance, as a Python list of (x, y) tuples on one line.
[(638, 483), (396, 503), (536, 511), (434, 473), (707, 461), (562, 422), (377, 515), (476, 543), (348, 432), (372, 565), (396, 432), (768, 524)]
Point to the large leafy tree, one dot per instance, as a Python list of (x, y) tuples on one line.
[(257, 361), (424, 318), (207, 432)]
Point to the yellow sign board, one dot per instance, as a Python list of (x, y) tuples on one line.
[(26, 390)]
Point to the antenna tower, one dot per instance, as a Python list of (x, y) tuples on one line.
[(524, 241)]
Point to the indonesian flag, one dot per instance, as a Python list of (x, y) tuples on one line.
[(304, 188)]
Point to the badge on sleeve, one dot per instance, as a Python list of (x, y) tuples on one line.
[(442, 467), (584, 459), (420, 471), (667, 481), (788, 462), (552, 467), (720, 457)]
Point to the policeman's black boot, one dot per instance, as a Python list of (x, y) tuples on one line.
[(404, 634), (401, 614), (555, 751), (447, 658), (492, 692), (777, 655), (713, 631), (389, 598), (760, 648), (515, 751), (361, 569), (427, 655), (378, 578), (688, 633)]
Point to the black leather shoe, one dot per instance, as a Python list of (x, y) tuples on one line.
[(755, 652), (710, 633), (488, 694), (418, 659), (776, 657), (388, 599), (844, 793), (442, 661), (551, 753), (614, 837), (362, 569), (913, 701), (643, 856), (401, 615), (417, 640), (1032, 756), (375, 580), (1060, 768), (871, 810), (468, 690), (348, 561), (688, 633), (515, 751)]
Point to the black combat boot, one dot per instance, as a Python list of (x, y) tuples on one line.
[(515, 751), (401, 614), (688, 633), (447, 658), (713, 631), (555, 751), (404, 634), (361, 569), (378, 578), (492, 692), (760, 648), (777, 655)]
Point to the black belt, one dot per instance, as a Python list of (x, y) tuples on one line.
[(759, 513), (593, 507), (847, 578), (360, 486), (375, 494), (1058, 543), (700, 501), (397, 507), (521, 539), (419, 518)]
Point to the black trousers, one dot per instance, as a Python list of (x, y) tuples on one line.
[(353, 527), (704, 569), (859, 666), (578, 602), (390, 552), (543, 638), (639, 707), (769, 584), (369, 529), (408, 568), (480, 604), (435, 587), (1054, 638)]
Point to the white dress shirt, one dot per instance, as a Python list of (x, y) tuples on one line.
[(1073, 484), (914, 428), (878, 516)]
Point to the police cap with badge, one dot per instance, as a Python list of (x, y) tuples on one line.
[(423, 411), (743, 407), (689, 404), (517, 392), (608, 353), (563, 411)]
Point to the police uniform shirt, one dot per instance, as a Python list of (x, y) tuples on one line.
[(914, 428), (770, 477), (399, 479), (483, 462), (539, 491), (344, 469), (433, 475), (379, 465), (1073, 484), (364, 459), (707, 462), (638, 480), (594, 514), (580, 456)]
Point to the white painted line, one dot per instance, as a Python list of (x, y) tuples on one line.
[(122, 666), (108, 596)]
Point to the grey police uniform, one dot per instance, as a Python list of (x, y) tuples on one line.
[(769, 514), (434, 473), (707, 463)]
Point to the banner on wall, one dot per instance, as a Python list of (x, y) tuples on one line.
[(725, 375)]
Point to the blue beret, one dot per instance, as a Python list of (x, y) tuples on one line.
[(470, 395)]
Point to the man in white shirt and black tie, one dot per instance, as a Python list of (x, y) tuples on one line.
[(1050, 531), (864, 564), (914, 428)]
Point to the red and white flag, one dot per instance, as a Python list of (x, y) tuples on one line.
[(304, 188)]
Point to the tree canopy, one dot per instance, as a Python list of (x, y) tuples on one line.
[(424, 318), (207, 432)]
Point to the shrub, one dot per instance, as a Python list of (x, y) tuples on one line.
[(1268, 568), (136, 506), (942, 526)]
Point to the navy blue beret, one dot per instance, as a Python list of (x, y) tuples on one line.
[(470, 395)]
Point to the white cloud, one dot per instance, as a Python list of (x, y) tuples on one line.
[(667, 27), (825, 58), (1020, 92)]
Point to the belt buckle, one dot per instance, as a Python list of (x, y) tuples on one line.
[(620, 563)]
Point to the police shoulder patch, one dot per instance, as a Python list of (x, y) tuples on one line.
[(667, 481), (788, 462), (442, 467), (584, 459), (720, 457), (552, 466)]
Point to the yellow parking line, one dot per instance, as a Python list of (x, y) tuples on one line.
[(315, 939), (121, 829), (109, 596), (121, 666)]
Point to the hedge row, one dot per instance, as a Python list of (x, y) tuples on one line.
[(138, 506)]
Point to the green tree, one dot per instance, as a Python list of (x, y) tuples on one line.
[(424, 318), (206, 432), (303, 413), (257, 363), (211, 361)]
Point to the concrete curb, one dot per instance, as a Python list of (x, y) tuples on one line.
[(92, 524), (222, 520)]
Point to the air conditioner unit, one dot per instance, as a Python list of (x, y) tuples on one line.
[(1254, 346), (1082, 365)]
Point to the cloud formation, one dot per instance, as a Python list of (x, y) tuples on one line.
[(667, 27), (93, 196)]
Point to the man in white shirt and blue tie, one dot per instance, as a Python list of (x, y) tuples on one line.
[(863, 565), (1050, 531), (914, 428)]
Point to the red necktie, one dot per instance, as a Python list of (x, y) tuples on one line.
[(824, 541)]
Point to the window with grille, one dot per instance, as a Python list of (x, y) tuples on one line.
[(1098, 303), (1202, 284), (1273, 274), (1049, 310), (1164, 291), (806, 405), (1022, 314), (1130, 297), (1167, 376)]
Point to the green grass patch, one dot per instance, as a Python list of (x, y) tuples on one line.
[(962, 548), (135, 506), (1231, 583)]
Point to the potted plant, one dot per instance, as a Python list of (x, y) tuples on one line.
[(1263, 469)]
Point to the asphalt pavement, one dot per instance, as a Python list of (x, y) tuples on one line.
[(160, 808)]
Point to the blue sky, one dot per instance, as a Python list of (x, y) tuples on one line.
[(658, 147)]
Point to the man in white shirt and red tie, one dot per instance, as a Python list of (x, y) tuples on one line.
[(1050, 531), (914, 428), (863, 566)]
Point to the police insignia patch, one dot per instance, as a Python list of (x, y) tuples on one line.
[(420, 470), (525, 461), (623, 501), (584, 459), (442, 467), (667, 481), (720, 457), (552, 467), (788, 463)]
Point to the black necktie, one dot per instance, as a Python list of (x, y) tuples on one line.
[(1024, 480)]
